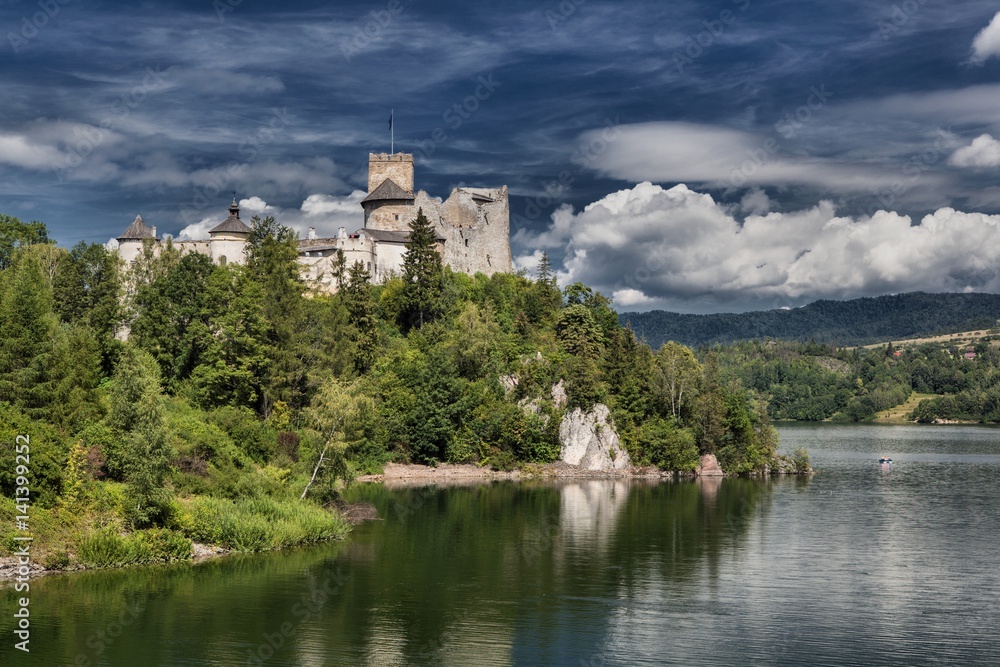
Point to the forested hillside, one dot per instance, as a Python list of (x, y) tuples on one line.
[(854, 322), (813, 382), (241, 401)]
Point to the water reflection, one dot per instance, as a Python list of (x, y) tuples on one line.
[(722, 571)]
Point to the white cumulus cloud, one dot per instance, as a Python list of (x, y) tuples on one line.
[(982, 153), (987, 42), (679, 249)]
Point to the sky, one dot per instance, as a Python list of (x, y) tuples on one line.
[(690, 156)]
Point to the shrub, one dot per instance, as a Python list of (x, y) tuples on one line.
[(800, 457)]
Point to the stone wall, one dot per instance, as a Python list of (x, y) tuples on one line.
[(397, 166)]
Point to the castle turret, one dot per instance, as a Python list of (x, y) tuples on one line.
[(229, 238), (389, 204), (130, 241)]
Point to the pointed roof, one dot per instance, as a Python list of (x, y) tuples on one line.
[(232, 224), (388, 191), (137, 231)]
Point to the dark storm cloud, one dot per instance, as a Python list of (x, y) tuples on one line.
[(167, 108)]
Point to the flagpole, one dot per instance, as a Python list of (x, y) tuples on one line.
[(392, 131)]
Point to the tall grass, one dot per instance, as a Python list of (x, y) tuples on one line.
[(260, 524), (107, 548)]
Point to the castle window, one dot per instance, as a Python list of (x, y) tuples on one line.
[(369, 266), (222, 260), (466, 243), (397, 217)]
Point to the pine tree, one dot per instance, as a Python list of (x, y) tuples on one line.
[(544, 272), (422, 273), (357, 297), (142, 452)]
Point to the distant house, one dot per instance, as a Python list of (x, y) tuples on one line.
[(897, 354), (969, 355)]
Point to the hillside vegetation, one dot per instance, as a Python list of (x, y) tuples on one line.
[(846, 323), (241, 401)]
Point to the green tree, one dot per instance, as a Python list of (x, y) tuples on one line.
[(357, 297), (677, 376), (422, 273), (142, 453), (336, 413), (15, 234), (28, 325)]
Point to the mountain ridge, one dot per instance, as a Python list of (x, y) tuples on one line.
[(860, 321)]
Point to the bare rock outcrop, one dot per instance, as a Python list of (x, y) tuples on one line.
[(589, 440), (709, 467)]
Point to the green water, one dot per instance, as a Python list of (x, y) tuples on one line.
[(858, 565)]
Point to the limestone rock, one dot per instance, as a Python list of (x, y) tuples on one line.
[(559, 394), (709, 467), (589, 440), (509, 383)]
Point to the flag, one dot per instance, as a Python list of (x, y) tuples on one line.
[(390, 120)]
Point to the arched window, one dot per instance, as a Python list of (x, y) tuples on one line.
[(222, 260)]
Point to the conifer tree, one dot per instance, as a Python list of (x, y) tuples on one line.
[(142, 452), (357, 297), (422, 273)]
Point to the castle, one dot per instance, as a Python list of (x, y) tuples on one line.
[(473, 230)]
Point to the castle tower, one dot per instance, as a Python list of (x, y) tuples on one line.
[(130, 241), (389, 204), (229, 238)]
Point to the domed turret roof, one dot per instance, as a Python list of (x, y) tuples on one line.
[(232, 224)]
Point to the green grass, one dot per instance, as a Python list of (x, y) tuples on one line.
[(259, 524), (106, 547)]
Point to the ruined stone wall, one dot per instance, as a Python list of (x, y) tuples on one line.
[(397, 166), (475, 223)]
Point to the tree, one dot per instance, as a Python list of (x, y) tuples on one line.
[(336, 413), (677, 376), (15, 234), (142, 452), (544, 274), (27, 323), (578, 333), (422, 273), (357, 298)]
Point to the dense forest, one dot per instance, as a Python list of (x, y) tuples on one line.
[(855, 322), (176, 400), (814, 382)]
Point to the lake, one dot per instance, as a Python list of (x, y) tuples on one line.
[(861, 564)]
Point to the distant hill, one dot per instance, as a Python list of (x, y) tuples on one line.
[(854, 322)]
